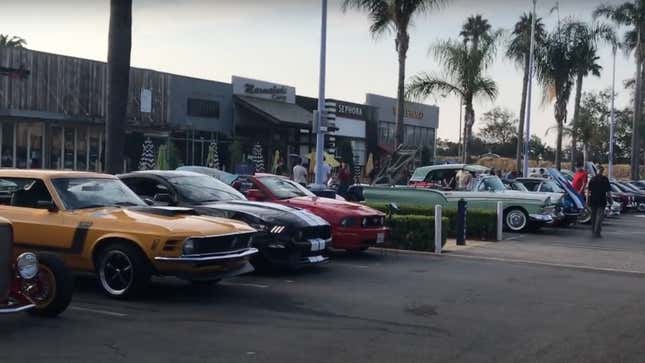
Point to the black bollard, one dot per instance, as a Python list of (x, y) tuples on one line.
[(462, 211)]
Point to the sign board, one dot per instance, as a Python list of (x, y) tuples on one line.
[(261, 89), (416, 114), (146, 100), (351, 110)]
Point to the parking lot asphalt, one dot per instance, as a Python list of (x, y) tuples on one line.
[(471, 305)]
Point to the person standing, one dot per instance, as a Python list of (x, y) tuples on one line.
[(580, 179), (344, 179), (600, 193), (300, 174)]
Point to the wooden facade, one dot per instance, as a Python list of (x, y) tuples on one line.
[(76, 89)]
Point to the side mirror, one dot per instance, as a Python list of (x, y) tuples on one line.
[(255, 194), (393, 208), (47, 204), (163, 198), (237, 185), (149, 201)]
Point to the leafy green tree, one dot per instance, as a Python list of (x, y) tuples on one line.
[(394, 16), (464, 63), (500, 127), (518, 50)]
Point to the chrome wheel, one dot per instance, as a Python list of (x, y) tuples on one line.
[(516, 220), (116, 272), (585, 216)]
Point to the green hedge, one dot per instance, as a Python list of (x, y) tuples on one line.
[(414, 232), (480, 224)]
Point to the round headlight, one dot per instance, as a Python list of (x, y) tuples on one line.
[(189, 247), (27, 265)]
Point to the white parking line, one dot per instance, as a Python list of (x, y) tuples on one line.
[(549, 264), (96, 311)]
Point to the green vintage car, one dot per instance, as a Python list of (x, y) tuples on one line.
[(522, 211)]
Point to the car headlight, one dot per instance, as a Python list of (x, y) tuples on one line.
[(189, 246), (27, 265)]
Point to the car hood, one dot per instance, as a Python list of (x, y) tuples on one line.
[(163, 220), (334, 206), (271, 213), (555, 197)]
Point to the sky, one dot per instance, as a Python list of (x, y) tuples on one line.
[(279, 40)]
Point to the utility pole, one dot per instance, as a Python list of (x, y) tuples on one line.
[(320, 115), (527, 135), (612, 122), (461, 108)]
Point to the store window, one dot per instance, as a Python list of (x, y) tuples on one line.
[(81, 148), (7, 140), (95, 149), (56, 151), (29, 145), (202, 108)]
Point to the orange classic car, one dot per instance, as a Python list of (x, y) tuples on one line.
[(96, 223)]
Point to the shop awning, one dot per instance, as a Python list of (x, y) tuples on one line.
[(276, 111)]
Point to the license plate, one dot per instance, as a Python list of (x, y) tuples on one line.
[(380, 237), (315, 259), (317, 244)]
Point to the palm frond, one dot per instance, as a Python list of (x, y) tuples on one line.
[(423, 84)]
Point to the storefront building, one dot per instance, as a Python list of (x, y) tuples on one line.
[(356, 125), (266, 113), (420, 123)]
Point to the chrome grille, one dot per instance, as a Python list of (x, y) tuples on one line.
[(225, 243), (6, 255), (322, 231)]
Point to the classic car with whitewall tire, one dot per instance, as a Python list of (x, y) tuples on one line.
[(287, 238), (40, 284), (522, 211), (571, 209), (95, 223)]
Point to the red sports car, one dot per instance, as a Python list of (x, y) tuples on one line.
[(354, 227)]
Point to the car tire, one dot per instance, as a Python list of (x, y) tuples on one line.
[(585, 216), (123, 270), (61, 287), (516, 220)]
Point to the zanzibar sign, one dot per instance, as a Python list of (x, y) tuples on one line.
[(275, 92), (418, 115)]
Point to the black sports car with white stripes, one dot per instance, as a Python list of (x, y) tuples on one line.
[(287, 237)]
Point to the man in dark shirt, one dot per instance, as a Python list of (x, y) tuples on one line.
[(600, 193)]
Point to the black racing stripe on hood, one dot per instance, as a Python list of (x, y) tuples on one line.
[(165, 211)]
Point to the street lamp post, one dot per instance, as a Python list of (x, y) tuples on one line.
[(612, 122), (527, 135), (319, 125)]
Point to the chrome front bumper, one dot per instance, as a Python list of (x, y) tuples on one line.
[(200, 258), (17, 309), (541, 217)]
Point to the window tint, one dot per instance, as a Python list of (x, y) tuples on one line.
[(146, 188)]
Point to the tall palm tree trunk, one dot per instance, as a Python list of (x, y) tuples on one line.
[(635, 161), (469, 121), (560, 112), (402, 43), (520, 130), (119, 47), (574, 122)]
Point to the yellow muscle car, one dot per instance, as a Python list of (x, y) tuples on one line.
[(95, 223)]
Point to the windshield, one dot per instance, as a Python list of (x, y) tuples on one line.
[(204, 189), (284, 188), (518, 186), (491, 184), (80, 193), (549, 186)]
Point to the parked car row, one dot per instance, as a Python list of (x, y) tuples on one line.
[(548, 198), (129, 227)]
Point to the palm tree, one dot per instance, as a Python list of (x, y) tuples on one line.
[(396, 16), (584, 52), (555, 71), (464, 67), (12, 41), (518, 50), (119, 47), (632, 15)]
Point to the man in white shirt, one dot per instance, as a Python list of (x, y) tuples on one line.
[(300, 174), (326, 169)]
